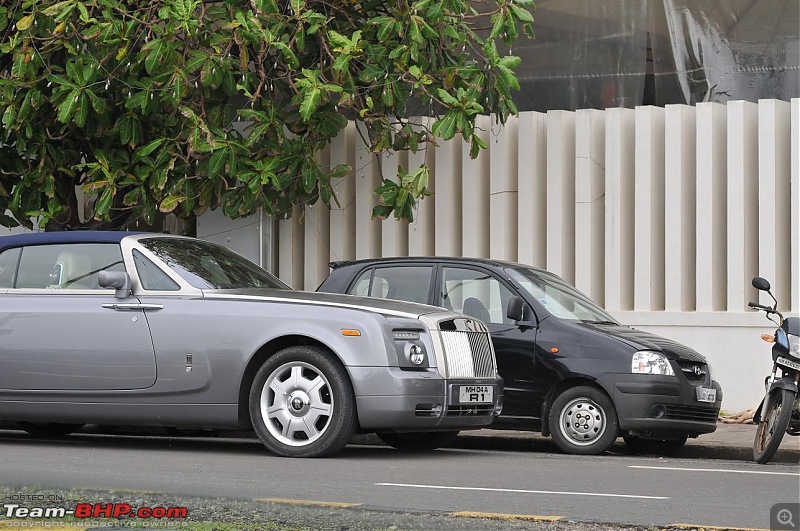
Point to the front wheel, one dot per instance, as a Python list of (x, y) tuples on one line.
[(583, 420), (418, 442), (774, 421), (302, 403)]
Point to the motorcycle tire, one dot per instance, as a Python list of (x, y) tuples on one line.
[(774, 420)]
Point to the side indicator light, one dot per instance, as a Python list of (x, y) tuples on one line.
[(350, 332), (769, 338), (554, 350)]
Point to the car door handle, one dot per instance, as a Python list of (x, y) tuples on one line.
[(132, 307)]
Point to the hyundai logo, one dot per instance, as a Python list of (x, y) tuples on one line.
[(696, 370)]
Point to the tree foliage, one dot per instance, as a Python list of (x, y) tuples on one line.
[(183, 105)]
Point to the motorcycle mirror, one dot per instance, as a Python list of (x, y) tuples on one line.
[(761, 284)]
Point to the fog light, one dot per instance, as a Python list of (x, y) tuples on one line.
[(657, 412)]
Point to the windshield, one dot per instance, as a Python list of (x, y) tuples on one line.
[(206, 265), (558, 297)]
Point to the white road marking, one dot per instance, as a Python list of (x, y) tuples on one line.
[(721, 470), (522, 491)]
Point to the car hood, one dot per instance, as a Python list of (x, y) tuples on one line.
[(383, 306), (646, 341)]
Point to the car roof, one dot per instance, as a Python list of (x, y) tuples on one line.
[(431, 259), (77, 236)]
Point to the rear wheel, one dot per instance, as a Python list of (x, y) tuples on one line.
[(302, 403), (49, 429), (583, 420), (418, 442), (774, 420), (659, 447)]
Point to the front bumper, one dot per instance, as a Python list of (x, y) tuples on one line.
[(400, 400), (654, 406)]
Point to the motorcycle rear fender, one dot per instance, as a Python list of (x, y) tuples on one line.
[(783, 383)]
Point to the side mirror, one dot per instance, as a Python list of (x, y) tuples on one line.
[(761, 284), (119, 280), (516, 308)]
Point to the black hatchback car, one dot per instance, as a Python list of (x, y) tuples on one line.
[(571, 370)]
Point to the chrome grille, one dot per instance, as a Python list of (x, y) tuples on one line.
[(468, 354)]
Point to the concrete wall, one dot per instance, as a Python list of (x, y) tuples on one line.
[(662, 215)]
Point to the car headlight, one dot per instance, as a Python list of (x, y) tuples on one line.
[(794, 345), (411, 351), (648, 362), (415, 353)]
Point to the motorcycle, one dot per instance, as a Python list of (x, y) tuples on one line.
[(779, 411)]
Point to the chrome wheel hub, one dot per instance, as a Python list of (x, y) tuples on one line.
[(298, 403), (582, 421)]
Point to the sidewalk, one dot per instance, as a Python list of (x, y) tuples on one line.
[(730, 441)]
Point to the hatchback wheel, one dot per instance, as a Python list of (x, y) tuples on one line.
[(583, 421), (302, 403)]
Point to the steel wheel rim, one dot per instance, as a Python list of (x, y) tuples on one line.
[(582, 422), (297, 404)]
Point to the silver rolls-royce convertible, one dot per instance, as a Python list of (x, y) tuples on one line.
[(123, 328)]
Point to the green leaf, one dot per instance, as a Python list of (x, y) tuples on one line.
[(82, 112), (216, 162), (170, 203), (195, 61), (147, 149), (103, 204), (311, 100), (446, 98), (445, 127), (157, 50), (498, 23), (67, 107), (521, 14)]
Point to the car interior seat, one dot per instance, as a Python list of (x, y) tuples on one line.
[(475, 308), (69, 269)]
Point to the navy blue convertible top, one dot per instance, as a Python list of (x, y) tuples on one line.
[(42, 238)]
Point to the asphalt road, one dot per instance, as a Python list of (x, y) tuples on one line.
[(611, 489)]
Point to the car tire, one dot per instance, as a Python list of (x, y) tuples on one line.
[(302, 403), (583, 421), (418, 442), (49, 429), (657, 447)]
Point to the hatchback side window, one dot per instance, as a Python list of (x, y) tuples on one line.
[(8, 267), (475, 293), (406, 283), (73, 266)]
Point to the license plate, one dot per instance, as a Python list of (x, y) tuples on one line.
[(788, 363), (475, 394), (704, 394)]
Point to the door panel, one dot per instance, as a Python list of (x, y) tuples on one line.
[(70, 342)]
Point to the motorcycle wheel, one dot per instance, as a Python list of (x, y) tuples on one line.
[(774, 421)]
